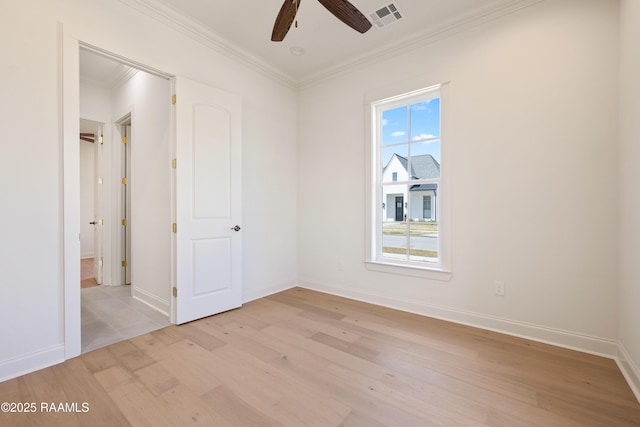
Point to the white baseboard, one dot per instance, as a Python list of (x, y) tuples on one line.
[(151, 300), (629, 370), (31, 362), (558, 337), (265, 292)]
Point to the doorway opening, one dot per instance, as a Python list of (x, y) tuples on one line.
[(185, 186), (132, 200)]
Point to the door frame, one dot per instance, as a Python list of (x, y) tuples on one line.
[(122, 202), (70, 118)]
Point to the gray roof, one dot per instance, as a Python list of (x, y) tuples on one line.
[(422, 167), (424, 187)]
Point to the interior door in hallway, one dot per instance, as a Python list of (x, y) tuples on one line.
[(98, 229)]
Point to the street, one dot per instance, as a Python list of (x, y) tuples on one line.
[(417, 242)]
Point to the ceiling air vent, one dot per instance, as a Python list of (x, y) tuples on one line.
[(386, 15)]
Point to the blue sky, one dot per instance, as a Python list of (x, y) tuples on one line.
[(425, 123)]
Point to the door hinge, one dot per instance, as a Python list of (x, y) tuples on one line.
[(124, 139), (174, 227), (125, 222), (101, 262), (175, 292), (100, 181), (173, 99), (124, 263), (101, 139), (125, 181), (174, 163)]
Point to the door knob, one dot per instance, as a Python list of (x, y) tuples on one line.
[(236, 228), (92, 223)]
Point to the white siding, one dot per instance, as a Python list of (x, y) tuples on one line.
[(417, 204)]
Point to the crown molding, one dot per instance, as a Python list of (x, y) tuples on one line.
[(122, 75), (457, 25), (176, 20)]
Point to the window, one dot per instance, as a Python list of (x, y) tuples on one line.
[(426, 207), (406, 182)]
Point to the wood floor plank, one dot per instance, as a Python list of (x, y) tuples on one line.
[(298, 403), (303, 358), (233, 411), (236, 334), (200, 336), (80, 385), (139, 406)]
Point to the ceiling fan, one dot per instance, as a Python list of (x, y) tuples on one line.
[(341, 9)]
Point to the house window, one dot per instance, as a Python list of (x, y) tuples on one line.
[(406, 166), (426, 207)]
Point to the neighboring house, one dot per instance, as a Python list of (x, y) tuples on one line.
[(423, 201)]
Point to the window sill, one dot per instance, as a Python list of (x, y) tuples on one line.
[(409, 270)]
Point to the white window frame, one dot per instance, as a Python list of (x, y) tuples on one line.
[(373, 258)]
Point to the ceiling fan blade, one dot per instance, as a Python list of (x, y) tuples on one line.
[(347, 13), (284, 20)]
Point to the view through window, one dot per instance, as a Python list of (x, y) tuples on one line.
[(408, 178)]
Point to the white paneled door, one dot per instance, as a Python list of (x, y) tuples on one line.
[(208, 201)]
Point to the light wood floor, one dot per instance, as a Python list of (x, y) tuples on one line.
[(86, 273), (304, 358)]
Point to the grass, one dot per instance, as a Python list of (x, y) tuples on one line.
[(415, 228), (414, 252)]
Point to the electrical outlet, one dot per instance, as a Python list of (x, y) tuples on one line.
[(500, 288)]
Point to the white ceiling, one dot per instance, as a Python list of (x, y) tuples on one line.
[(243, 29), (328, 43)]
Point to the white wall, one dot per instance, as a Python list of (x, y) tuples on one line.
[(87, 174), (629, 230), (31, 319), (147, 98), (533, 101)]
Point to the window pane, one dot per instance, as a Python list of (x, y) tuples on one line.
[(395, 125), (423, 241), (425, 160), (426, 207), (394, 160), (394, 240), (425, 119)]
